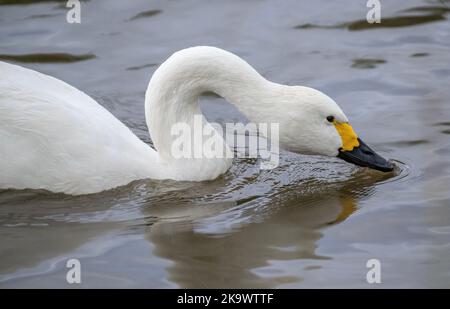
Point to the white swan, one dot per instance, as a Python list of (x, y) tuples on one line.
[(57, 138)]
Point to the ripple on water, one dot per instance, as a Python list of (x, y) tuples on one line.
[(432, 14), (47, 58), (144, 14)]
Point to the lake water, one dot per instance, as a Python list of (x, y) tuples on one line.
[(313, 221)]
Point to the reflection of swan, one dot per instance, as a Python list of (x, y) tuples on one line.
[(57, 138), (287, 230)]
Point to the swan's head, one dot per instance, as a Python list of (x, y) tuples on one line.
[(312, 123)]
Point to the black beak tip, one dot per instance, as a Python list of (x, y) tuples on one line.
[(388, 166), (363, 155)]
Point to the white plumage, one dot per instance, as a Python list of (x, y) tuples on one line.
[(55, 137)]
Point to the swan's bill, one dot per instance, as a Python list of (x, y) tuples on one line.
[(348, 136), (355, 151), (363, 155)]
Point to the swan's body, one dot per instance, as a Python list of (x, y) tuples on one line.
[(57, 138)]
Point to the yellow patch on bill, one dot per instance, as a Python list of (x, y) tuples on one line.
[(348, 136)]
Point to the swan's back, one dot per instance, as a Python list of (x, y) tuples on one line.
[(52, 134)]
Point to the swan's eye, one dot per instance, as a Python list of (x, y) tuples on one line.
[(330, 118)]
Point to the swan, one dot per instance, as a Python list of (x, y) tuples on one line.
[(56, 138)]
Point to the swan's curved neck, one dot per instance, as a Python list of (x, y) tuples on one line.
[(173, 92)]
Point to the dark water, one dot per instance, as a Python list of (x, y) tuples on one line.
[(312, 222)]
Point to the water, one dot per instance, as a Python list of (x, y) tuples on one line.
[(313, 221)]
